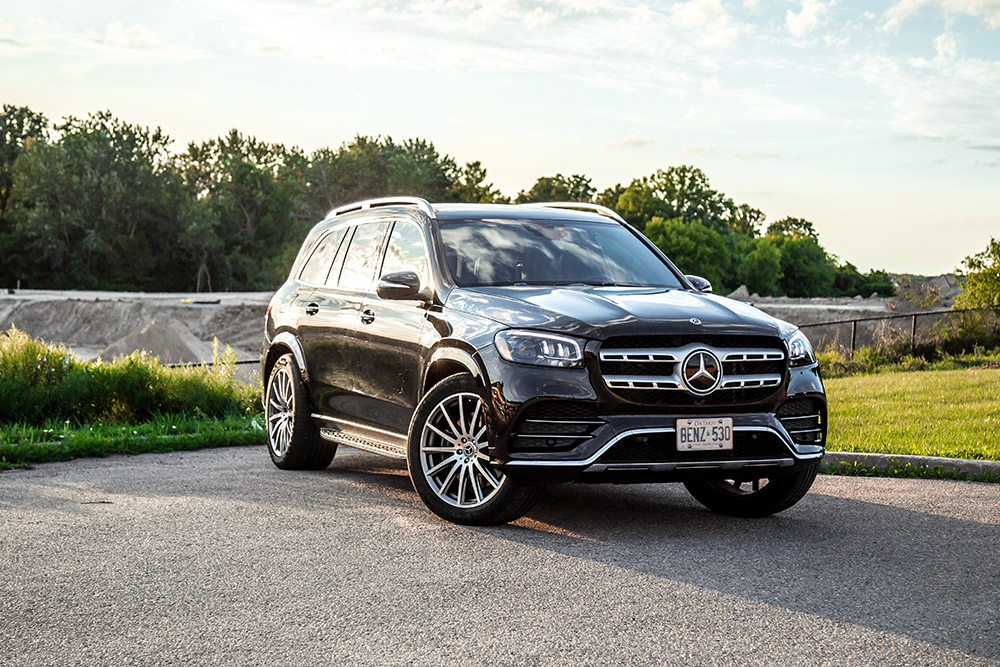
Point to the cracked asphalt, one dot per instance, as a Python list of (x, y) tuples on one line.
[(217, 557)]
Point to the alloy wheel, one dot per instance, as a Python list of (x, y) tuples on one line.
[(453, 452), (280, 411)]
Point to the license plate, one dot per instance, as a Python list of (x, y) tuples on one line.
[(715, 433)]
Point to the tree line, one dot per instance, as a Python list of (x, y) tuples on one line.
[(97, 203)]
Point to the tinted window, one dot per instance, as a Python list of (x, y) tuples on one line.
[(531, 252), (359, 263), (318, 266), (405, 251)]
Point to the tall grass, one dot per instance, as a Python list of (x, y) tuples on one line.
[(41, 383)]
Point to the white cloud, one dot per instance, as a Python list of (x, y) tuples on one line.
[(946, 97), (135, 37), (946, 46), (808, 19), (987, 10), (633, 140), (699, 151), (717, 26)]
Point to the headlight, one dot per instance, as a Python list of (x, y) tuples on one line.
[(800, 352), (540, 349)]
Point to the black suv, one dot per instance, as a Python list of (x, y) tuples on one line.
[(502, 348)]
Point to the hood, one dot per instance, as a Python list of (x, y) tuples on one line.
[(601, 312)]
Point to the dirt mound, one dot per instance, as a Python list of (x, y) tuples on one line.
[(89, 322), (169, 340)]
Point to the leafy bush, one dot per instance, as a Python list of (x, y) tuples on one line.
[(40, 382)]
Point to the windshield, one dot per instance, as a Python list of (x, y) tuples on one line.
[(533, 252)]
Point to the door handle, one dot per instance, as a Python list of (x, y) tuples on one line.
[(368, 316), (312, 308)]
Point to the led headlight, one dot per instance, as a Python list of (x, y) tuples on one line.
[(800, 352), (540, 349)]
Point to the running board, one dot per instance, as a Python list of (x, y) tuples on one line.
[(362, 443)]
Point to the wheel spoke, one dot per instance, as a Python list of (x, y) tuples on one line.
[(461, 416), (451, 424), (449, 477), (461, 485), (485, 472), (441, 433), (475, 416), (445, 462), (475, 485)]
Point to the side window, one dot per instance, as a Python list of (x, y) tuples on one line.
[(359, 263), (405, 251), (318, 266)]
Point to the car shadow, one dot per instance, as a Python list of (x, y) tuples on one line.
[(882, 567)]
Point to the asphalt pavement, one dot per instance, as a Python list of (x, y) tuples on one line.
[(217, 557)]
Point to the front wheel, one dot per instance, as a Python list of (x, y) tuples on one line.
[(753, 497), (448, 456)]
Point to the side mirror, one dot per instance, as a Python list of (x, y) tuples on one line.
[(401, 285), (700, 284)]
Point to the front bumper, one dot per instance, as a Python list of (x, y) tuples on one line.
[(622, 441)]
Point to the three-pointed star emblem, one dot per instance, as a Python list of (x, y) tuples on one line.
[(702, 372)]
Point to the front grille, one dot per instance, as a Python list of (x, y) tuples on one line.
[(803, 419), (554, 426), (662, 448), (648, 369)]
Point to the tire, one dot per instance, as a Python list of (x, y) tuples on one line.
[(755, 497), (448, 458), (292, 439)]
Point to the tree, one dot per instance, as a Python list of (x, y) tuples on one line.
[(693, 247), (793, 227), (19, 126), (678, 192), (98, 208), (746, 220), (471, 186), (806, 268), (576, 187), (416, 168), (979, 276), (238, 236), (760, 269)]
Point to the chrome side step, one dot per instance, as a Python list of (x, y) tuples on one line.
[(362, 443)]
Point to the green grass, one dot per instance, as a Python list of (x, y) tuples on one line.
[(40, 382), (869, 360), (955, 414), (22, 445), (856, 469)]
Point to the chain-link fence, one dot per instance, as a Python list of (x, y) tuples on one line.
[(245, 371), (959, 329)]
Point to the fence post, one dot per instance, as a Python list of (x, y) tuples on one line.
[(854, 335), (913, 334)]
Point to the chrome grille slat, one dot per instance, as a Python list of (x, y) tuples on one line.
[(638, 355), (637, 382), (753, 368)]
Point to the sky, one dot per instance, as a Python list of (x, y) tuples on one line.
[(877, 121)]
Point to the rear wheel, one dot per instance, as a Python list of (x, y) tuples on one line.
[(448, 456), (292, 439), (753, 497)]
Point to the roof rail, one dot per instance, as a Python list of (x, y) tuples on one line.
[(422, 204), (581, 205)]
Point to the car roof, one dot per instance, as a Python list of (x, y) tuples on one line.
[(515, 212)]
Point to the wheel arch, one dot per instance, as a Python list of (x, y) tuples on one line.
[(282, 344), (447, 361)]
